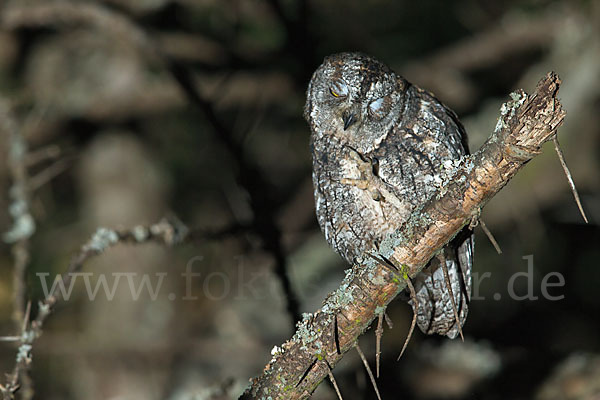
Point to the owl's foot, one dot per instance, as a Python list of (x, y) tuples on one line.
[(364, 184), (403, 272), (368, 180)]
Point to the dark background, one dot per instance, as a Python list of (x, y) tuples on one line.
[(149, 107)]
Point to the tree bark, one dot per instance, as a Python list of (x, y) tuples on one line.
[(322, 338)]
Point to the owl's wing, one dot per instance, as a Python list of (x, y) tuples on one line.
[(434, 306)]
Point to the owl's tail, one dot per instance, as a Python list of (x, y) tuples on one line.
[(434, 306)]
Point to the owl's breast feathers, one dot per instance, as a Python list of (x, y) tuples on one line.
[(413, 155), (357, 205), (354, 207)]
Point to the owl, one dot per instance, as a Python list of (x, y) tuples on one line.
[(379, 147)]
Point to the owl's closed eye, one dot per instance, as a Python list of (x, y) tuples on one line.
[(338, 89), (380, 107)]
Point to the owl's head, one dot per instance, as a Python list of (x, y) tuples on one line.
[(355, 98)]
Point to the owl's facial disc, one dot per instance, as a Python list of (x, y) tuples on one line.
[(352, 97)]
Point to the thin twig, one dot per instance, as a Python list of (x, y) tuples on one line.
[(561, 157), (333, 382), (51, 152), (490, 236), (27, 391), (413, 295), (336, 335), (47, 174), (26, 318), (378, 334), (388, 320), (369, 372), (10, 338), (413, 323), (169, 231), (19, 379)]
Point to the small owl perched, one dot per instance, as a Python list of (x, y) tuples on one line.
[(379, 145)]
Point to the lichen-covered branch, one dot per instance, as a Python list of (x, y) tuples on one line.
[(298, 366), (168, 231), (23, 226), (23, 223)]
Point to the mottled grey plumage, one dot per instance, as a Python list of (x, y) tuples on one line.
[(379, 145)]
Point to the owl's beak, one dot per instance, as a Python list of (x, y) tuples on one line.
[(349, 118)]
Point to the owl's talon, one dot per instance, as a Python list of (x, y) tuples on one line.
[(355, 155), (367, 181), (475, 218), (362, 184)]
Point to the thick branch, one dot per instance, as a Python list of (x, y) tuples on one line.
[(525, 124)]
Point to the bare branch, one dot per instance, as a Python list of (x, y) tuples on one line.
[(525, 124), (563, 163), (369, 372), (413, 323), (378, 334), (334, 383), (169, 231), (490, 237), (51, 152), (48, 173)]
